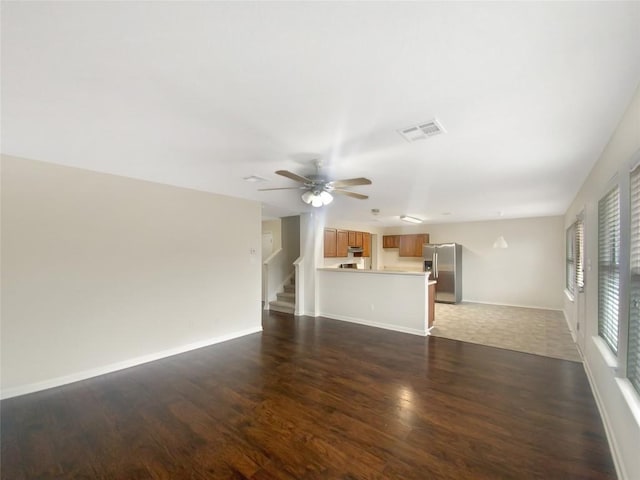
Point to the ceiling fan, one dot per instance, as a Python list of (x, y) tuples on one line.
[(318, 189)]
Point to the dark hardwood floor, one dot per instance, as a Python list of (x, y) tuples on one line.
[(313, 399)]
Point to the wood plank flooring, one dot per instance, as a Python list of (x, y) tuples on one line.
[(316, 399)]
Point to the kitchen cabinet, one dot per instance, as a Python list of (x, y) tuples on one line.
[(337, 242), (358, 239), (421, 239), (407, 246), (390, 241), (330, 242), (355, 239), (366, 244), (342, 243), (411, 245)]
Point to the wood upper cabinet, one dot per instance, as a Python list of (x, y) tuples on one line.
[(337, 242), (330, 242), (358, 239), (366, 244), (390, 241), (407, 246), (352, 239), (421, 239), (342, 243), (411, 245)]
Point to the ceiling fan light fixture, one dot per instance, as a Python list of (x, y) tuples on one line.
[(307, 197), (319, 190), (317, 199), (407, 218), (326, 197)]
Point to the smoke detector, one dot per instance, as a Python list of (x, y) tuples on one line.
[(422, 131)]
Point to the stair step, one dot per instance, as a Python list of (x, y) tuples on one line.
[(290, 288), (284, 307), (287, 297)]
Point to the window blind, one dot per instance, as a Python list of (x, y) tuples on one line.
[(579, 254), (609, 267), (633, 354), (571, 264)]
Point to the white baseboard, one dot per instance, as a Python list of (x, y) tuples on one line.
[(537, 307), (613, 444), (566, 319), (113, 367), (368, 323)]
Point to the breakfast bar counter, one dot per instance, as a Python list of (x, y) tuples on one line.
[(395, 300)]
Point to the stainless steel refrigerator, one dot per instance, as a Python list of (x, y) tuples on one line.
[(445, 262)]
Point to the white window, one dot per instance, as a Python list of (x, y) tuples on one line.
[(579, 254), (571, 260), (609, 267), (633, 351), (575, 255)]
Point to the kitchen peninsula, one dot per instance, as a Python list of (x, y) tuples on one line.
[(401, 301)]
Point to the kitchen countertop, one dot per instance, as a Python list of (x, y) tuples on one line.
[(377, 272)]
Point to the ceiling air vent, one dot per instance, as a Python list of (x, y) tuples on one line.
[(422, 131)]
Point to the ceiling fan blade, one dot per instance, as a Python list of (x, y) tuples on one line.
[(293, 176), (282, 188), (359, 196), (350, 182)]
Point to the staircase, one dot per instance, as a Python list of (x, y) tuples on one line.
[(286, 301)]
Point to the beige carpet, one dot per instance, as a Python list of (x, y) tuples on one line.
[(529, 330)]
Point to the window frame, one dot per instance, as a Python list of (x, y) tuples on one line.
[(570, 260), (579, 252), (634, 166), (614, 267)]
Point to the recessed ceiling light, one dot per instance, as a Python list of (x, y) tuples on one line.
[(407, 218), (254, 179)]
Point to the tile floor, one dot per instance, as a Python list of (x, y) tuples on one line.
[(529, 330)]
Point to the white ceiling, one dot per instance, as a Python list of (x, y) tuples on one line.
[(202, 94)]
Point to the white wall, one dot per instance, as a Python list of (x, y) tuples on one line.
[(622, 425), (311, 252), (291, 239), (100, 271), (530, 273), (395, 301)]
